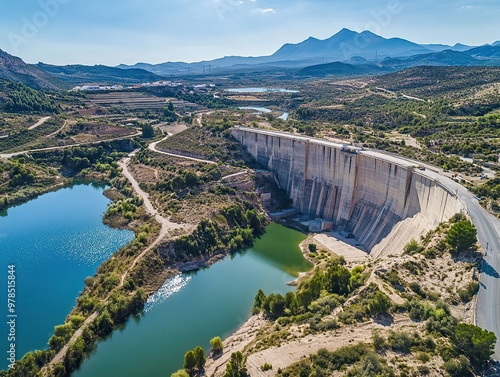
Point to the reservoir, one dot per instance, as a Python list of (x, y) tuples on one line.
[(54, 242), (190, 309), (256, 109), (265, 110)]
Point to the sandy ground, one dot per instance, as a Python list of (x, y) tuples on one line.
[(341, 246), (409, 141), (294, 350), (236, 342), (39, 123)]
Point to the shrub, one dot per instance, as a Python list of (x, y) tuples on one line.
[(266, 367), (378, 341), (413, 247), (459, 367), (424, 357), (400, 341), (466, 294), (216, 344)]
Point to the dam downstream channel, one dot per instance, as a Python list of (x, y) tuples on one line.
[(192, 308), (54, 241)]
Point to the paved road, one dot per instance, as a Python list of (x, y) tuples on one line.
[(488, 233)]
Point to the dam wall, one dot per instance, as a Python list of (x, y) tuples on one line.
[(383, 201)]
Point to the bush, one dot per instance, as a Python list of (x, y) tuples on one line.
[(400, 341), (413, 247), (424, 357), (266, 367), (378, 341), (467, 294), (216, 344), (459, 367)]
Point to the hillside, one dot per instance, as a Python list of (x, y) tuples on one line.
[(429, 81), (15, 69), (81, 74), (340, 69)]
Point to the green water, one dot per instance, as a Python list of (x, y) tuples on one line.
[(55, 242), (190, 309)]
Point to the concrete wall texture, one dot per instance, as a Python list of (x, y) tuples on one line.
[(383, 201)]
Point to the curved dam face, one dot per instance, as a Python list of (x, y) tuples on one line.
[(382, 200)]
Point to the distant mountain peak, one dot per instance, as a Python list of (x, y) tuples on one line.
[(347, 43), (346, 31)]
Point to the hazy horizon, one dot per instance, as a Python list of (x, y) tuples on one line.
[(75, 32)]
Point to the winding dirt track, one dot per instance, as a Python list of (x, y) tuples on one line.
[(153, 147), (166, 224)]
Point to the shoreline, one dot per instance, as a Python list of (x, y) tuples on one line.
[(237, 341)]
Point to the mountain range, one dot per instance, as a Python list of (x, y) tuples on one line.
[(346, 53), (342, 47)]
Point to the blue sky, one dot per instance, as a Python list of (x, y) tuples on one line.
[(128, 31)]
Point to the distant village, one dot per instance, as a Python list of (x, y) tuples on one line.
[(91, 88)]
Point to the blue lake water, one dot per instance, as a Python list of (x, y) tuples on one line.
[(284, 116), (190, 309), (55, 242), (256, 109)]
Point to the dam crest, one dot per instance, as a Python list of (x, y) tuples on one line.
[(382, 200)]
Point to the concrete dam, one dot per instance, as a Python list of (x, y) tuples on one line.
[(382, 200)]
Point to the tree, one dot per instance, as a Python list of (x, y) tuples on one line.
[(258, 302), (190, 362), (199, 354), (337, 278), (169, 113), (236, 366), (147, 131), (178, 183), (291, 304), (477, 344), (216, 344), (461, 236), (104, 324), (191, 179)]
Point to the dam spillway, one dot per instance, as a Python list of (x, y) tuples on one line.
[(382, 200)]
